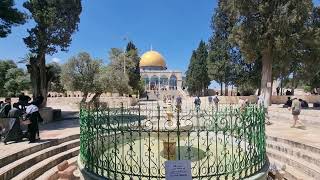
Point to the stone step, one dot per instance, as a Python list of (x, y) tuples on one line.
[(16, 167), (291, 172), (41, 167), (52, 174), (300, 165), (305, 146), (26, 152), (295, 152)]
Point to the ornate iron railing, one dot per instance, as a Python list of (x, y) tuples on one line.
[(134, 143)]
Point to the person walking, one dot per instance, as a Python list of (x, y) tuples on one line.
[(216, 101), (197, 103), (278, 91), (178, 103), (210, 100), (295, 109)]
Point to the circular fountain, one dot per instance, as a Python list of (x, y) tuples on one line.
[(134, 143)]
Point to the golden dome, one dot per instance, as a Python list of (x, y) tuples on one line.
[(152, 59)]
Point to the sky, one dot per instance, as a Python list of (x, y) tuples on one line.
[(172, 27)]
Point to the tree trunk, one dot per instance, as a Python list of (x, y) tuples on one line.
[(281, 88), (266, 76), (96, 97), (221, 87), (293, 83), (232, 90), (84, 97), (34, 77), (38, 76), (226, 93), (43, 79)]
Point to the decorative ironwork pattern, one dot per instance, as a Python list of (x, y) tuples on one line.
[(134, 143)]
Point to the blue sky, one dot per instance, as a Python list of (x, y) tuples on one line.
[(172, 27)]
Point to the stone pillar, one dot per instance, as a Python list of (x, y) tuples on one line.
[(46, 114)]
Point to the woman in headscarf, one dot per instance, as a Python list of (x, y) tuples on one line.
[(15, 132)]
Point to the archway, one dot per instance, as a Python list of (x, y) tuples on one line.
[(154, 82), (173, 82), (163, 82), (146, 81)]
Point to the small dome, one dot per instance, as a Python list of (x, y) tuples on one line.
[(152, 59)]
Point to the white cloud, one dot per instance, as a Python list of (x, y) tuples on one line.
[(56, 60)]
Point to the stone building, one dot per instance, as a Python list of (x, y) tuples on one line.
[(155, 74)]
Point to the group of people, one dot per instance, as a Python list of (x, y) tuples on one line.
[(20, 113), (287, 93), (304, 103), (212, 101)]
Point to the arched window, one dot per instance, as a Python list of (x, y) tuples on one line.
[(163, 81), (146, 80), (173, 82), (154, 82)]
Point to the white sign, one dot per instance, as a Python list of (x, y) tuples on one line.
[(178, 170), (269, 84)]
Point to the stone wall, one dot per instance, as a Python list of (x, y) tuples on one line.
[(231, 99), (283, 99), (254, 99)]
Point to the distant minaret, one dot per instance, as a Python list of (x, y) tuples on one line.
[(151, 47)]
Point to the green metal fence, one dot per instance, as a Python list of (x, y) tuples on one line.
[(134, 143)]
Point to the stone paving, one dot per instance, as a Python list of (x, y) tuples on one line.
[(60, 129), (309, 135), (50, 131)]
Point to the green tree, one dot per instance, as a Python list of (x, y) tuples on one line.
[(5, 65), (55, 22), (54, 71), (9, 16), (197, 78), (191, 82), (16, 81), (221, 54), (80, 74), (134, 68), (121, 82), (270, 29)]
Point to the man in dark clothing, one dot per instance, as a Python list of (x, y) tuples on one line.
[(278, 91), (288, 103), (304, 103), (34, 116), (197, 103), (24, 100), (178, 103)]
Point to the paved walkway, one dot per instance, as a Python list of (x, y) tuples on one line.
[(50, 131), (310, 135), (61, 129)]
